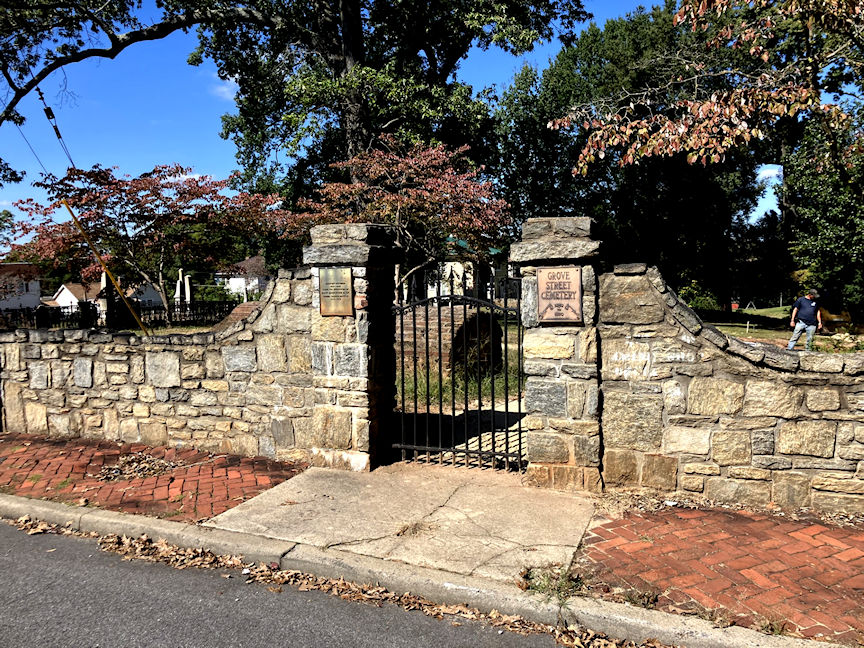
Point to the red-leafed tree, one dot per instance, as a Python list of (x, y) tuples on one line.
[(143, 226), (433, 196)]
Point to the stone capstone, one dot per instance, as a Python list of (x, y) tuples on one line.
[(628, 299)]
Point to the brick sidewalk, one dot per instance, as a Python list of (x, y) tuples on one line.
[(202, 486), (753, 570)]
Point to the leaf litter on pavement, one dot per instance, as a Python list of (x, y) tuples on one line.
[(145, 548)]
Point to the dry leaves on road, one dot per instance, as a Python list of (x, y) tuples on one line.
[(145, 548)]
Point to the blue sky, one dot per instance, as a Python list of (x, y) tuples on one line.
[(150, 107)]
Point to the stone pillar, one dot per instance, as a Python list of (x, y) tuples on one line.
[(353, 357), (562, 428)]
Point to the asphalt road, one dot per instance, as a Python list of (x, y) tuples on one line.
[(63, 591)]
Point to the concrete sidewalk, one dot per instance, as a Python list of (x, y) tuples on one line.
[(455, 535)]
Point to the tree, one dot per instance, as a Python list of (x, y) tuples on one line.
[(664, 211), (146, 225), (829, 238), (431, 195), (778, 60), (318, 79)]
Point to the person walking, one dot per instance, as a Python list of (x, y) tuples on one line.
[(805, 317)]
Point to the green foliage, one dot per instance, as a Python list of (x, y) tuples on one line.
[(828, 238), (697, 297), (662, 211)]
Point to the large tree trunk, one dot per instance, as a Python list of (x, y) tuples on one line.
[(354, 110)]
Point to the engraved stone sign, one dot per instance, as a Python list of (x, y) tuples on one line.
[(560, 294), (337, 297)]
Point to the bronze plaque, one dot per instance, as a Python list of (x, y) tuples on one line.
[(560, 294), (336, 291)]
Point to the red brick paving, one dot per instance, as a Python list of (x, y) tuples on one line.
[(65, 470), (751, 569)]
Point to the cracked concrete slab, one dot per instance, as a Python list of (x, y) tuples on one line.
[(468, 522)]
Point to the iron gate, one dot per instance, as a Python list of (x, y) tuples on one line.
[(459, 374)]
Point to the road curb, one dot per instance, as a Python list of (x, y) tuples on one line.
[(614, 619)]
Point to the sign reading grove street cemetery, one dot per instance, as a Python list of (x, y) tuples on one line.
[(560, 294)]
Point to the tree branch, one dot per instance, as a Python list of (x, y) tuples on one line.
[(120, 42)]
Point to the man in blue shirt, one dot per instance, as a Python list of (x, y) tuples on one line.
[(805, 317)]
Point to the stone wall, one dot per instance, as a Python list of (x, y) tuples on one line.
[(285, 382), (246, 390), (641, 393), (562, 427), (688, 408)]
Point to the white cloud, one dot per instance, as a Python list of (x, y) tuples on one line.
[(769, 173), (224, 89), (5, 203)]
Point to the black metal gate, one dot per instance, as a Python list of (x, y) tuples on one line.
[(459, 373)]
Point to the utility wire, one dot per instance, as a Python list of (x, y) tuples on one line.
[(52, 119)]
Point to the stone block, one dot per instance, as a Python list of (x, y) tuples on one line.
[(547, 447), (762, 442), (837, 503), (625, 359), (153, 433), (671, 351), (213, 364), (674, 398), (731, 447), (530, 302), (592, 480), (686, 440), (821, 362), (853, 364), (36, 417), (633, 421), (628, 300), (330, 329), (738, 491), (271, 353), (351, 360), (586, 450), (620, 467), (538, 476), (700, 469), (692, 483), (137, 373), (547, 397), (567, 478), (838, 485), (266, 320), (746, 350), (771, 398), (299, 352), (660, 472), (812, 438), (327, 428), (821, 400), (239, 358), (630, 269), (542, 250), (162, 368), (791, 490), (40, 374), (537, 344), (128, 430), (748, 472), (710, 396)]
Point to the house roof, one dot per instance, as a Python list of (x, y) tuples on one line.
[(26, 271), (81, 292), (251, 267)]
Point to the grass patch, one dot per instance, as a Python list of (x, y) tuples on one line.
[(553, 582), (456, 389), (772, 627), (780, 312), (34, 478), (64, 483)]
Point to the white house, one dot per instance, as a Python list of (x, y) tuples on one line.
[(19, 286), (247, 278), (69, 294)]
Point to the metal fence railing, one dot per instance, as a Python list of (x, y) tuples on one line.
[(86, 315)]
